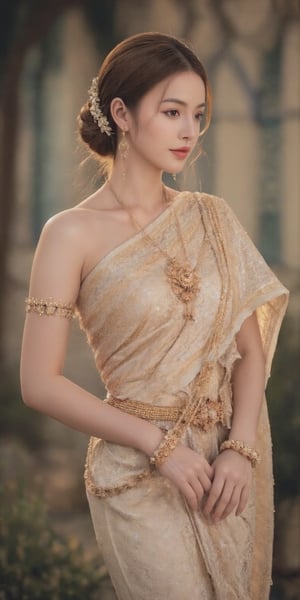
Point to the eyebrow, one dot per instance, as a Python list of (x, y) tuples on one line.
[(177, 101)]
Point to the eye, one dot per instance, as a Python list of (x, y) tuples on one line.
[(173, 112)]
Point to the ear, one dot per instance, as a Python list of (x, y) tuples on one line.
[(120, 113)]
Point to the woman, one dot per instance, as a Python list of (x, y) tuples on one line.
[(182, 314)]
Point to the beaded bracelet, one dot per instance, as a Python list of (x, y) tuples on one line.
[(240, 447), (167, 445)]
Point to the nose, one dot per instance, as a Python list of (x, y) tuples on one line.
[(189, 128)]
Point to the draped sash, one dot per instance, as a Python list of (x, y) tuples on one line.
[(147, 351)]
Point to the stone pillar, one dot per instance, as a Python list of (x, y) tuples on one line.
[(236, 145)]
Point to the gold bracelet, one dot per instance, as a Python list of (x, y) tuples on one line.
[(240, 447), (49, 307), (166, 446)]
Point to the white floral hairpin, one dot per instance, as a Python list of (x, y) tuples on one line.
[(96, 111)]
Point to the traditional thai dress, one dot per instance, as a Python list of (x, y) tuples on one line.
[(171, 362)]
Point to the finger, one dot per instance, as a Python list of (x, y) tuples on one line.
[(233, 502), (243, 500), (190, 496), (205, 482), (198, 489), (223, 502), (205, 467), (214, 494), (208, 469)]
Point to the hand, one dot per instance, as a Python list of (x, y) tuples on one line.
[(190, 472), (230, 487)]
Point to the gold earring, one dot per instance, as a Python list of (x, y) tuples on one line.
[(123, 149)]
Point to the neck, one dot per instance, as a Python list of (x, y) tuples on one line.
[(142, 189)]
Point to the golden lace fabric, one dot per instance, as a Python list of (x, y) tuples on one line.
[(146, 351)]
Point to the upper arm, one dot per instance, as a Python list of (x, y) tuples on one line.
[(248, 338), (56, 273)]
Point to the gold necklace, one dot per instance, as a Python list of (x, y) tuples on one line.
[(183, 279)]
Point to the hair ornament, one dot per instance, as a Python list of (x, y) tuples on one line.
[(96, 111)]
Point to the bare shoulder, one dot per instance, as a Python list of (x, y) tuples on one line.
[(71, 228), (65, 226), (59, 257), (79, 236)]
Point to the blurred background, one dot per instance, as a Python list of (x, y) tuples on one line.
[(50, 51)]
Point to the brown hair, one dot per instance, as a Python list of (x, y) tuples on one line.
[(129, 71)]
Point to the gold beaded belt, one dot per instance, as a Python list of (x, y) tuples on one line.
[(210, 412)]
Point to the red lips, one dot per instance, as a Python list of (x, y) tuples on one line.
[(181, 152)]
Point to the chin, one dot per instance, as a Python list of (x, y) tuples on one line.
[(176, 170)]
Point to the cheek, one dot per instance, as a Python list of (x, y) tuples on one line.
[(151, 137), (155, 127)]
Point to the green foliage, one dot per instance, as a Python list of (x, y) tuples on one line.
[(35, 562), (284, 406)]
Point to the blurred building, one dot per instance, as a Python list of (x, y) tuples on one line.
[(251, 51)]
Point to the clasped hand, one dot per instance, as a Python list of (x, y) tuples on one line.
[(226, 482)]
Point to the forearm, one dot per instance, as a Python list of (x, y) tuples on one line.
[(65, 401), (248, 383)]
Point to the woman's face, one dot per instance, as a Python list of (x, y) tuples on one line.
[(165, 126)]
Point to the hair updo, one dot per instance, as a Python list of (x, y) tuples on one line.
[(129, 71)]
